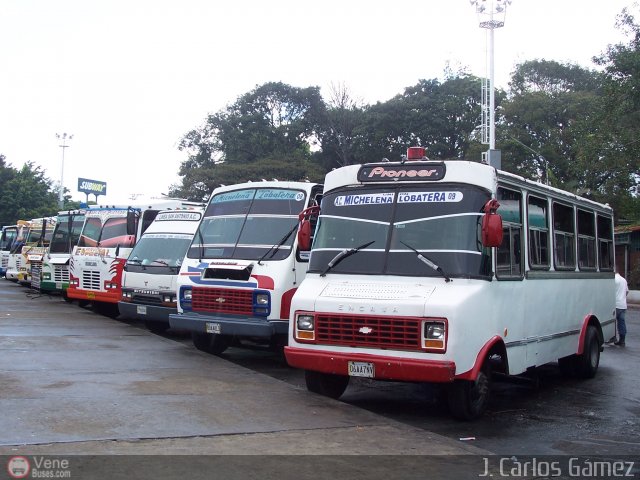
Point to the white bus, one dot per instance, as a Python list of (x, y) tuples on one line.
[(149, 280), (447, 272), (54, 277), (243, 267), (7, 239), (12, 258), (36, 245)]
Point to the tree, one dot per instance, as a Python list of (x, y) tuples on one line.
[(439, 116), (273, 121), (338, 131), (619, 131), (26, 194), (546, 120)]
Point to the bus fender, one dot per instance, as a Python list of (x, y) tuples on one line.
[(589, 320), (495, 341)]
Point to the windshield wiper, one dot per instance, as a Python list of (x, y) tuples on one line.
[(201, 249), (428, 262), (342, 255), (275, 247), (134, 260)]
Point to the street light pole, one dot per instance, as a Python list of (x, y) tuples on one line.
[(491, 14), (64, 137)]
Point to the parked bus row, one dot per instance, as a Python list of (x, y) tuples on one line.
[(449, 272)]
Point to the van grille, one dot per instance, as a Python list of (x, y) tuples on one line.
[(222, 300), (401, 333)]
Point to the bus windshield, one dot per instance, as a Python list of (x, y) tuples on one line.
[(159, 250), (248, 224), (8, 236), (66, 233), (442, 222)]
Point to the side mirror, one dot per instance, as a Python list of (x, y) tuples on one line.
[(491, 225), (131, 222), (304, 228)]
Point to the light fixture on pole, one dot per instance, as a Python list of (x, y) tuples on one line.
[(491, 14), (64, 137)]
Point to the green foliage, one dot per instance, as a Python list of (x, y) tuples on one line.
[(25, 193), (272, 123)]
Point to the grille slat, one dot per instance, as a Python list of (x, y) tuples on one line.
[(369, 331), (222, 300)]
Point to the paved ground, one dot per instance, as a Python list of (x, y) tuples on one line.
[(73, 382)]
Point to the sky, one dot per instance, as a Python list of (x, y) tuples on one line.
[(128, 78)]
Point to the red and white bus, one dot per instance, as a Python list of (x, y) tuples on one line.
[(449, 272), (108, 236)]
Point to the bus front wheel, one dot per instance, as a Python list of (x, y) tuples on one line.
[(327, 384), (469, 399)]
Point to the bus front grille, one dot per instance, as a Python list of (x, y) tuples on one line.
[(91, 280), (223, 300), (400, 333), (61, 273)]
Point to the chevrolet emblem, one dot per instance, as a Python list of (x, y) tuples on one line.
[(220, 300), (365, 330)]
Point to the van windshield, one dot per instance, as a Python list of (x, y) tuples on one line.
[(160, 250), (246, 224), (441, 221)]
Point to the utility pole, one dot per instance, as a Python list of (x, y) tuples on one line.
[(64, 137), (491, 14)]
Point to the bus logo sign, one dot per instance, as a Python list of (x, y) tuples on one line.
[(412, 172), (365, 330), (220, 300)]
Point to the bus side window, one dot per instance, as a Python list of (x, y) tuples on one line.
[(586, 240), (564, 237), (605, 243), (509, 253), (538, 222)]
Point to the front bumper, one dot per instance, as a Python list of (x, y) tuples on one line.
[(154, 313), (386, 368), (237, 326)]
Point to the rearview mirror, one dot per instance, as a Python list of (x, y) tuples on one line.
[(131, 222), (305, 232), (491, 225)]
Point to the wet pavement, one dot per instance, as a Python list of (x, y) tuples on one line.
[(72, 381)]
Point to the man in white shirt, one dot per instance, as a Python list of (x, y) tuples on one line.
[(622, 290)]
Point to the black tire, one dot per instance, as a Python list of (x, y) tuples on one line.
[(327, 384), (83, 303), (586, 365), (66, 297), (210, 343), (468, 400), (157, 327)]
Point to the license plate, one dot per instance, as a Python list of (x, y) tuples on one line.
[(91, 295), (213, 327), (141, 309), (361, 369), (59, 285)]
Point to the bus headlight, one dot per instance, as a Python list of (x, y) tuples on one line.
[(262, 299), (305, 327), (186, 296), (434, 336), (127, 296)]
